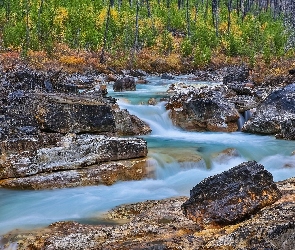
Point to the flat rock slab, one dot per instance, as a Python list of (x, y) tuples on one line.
[(72, 152), (231, 196), (105, 173)]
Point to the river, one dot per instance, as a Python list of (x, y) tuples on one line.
[(173, 158)]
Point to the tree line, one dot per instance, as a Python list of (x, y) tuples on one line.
[(194, 28)]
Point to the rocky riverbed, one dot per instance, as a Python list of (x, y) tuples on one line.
[(62, 130)]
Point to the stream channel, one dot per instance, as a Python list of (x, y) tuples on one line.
[(178, 159)]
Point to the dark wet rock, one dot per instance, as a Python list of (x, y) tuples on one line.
[(231, 196), (91, 112), (208, 75), (287, 129), (110, 78), (167, 76), (125, 83), (162, 225), (243, 103), (236, 74), (127, 124), (203, 109), (138, 73), (275, 110), (73, 114)]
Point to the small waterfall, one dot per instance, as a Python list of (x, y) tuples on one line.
[(244, 117), (241, 122), (156, 116), (247, 115)]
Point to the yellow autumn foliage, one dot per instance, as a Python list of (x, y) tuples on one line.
[(60, 16)]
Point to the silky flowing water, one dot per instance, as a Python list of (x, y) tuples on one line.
[(178, 160)]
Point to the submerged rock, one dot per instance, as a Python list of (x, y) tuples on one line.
[(231, 196)]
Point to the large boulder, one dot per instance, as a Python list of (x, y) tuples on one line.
[(203, 109), (231, 196), (273, 112), (73, 114), (127, 124), (236, 74), (125, 83), (287, 129), (28, 104)]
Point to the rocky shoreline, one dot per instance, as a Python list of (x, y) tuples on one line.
[(163, 225), (59, 130)]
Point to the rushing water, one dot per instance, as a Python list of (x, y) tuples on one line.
[(178, 159)]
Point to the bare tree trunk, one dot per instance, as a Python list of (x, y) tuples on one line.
[(135, 45), (102, 58), (27, 38), (39, 21), (7, 9), (215, 15), (148, 7), (168, 16), (229, 9), (196, 10), (206, 10), (136, 27), (188, 18)]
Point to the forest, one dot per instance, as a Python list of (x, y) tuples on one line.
[(195, 30)]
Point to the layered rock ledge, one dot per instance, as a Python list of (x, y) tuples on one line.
[(63, 131), (77, 159)]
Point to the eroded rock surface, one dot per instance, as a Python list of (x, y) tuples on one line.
[(202, 109), (272, 114), (73, 152), (231, 196), (106, 173)]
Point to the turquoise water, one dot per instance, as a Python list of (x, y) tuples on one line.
[(178, 161)]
